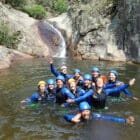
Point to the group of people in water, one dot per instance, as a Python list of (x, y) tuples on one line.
[(88, 90)]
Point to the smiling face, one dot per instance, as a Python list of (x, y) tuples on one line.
[(76, 75), (85, 114), (59, 83), (87, 82), (112, 77), (72, 86), (42, 88), (99, 82), (64, 71), (51, 86)]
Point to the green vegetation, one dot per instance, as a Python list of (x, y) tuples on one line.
[(8, 38), (60, 6), (37, 8), (16, 3), (36, 11)]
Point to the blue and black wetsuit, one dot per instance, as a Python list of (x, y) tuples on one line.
[(51, 94), (62, 94), (56, 73), (97, 116), (99, 100), (37, 97), (113, 84)]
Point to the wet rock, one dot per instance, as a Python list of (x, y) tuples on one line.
[(30, 42), (7, 56)]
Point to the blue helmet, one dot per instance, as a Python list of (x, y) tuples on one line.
[(84, 106), (60, 77), (50, 82), (87, 77), (77, 71), (95, 69), (114, 72)]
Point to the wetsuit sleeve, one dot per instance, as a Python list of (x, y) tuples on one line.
[(127, 93), (86, 95), (34, 97), (28, 101), (108, 118), (116, 89), (108, 85), (66, 92), (68, 117), (81, 92), (53, 70), (66, 104)]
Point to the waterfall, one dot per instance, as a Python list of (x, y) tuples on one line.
[(53, 38)]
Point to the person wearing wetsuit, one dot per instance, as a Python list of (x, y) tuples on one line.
[(95, 72), (112, 81), (85, 114), (87, 83), (97, 96), (62, 92), (51, 90), (78, 77), (74, 89), (39, 96), (63, 71)]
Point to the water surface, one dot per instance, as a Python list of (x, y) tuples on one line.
[(46, 122)]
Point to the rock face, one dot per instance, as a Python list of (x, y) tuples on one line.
[(104, 30), (9, 55), (30, 42), (128, 30)]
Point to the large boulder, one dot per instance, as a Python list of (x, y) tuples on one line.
[(7, 56), (31, 42)]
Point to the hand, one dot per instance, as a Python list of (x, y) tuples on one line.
[(80, 78), (62, 105), (49, 59), (135, 98), (76, 118), (70, 100), (23, 102), (130, 120), (119, 83), (132, 81)]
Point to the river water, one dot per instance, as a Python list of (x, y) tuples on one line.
[(45, 122)]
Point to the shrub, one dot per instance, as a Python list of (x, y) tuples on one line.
[(60, 6), (36, 11), (16, 3), (8, 38)]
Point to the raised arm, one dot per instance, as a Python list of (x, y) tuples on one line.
[(120, 88)]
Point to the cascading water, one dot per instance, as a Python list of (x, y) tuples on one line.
[(53, 38)]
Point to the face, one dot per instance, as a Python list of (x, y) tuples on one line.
[(87, 82), (42, 88), (99, 83), (51, 86), (95, 74), (72, 85), (77, 75), (59, 83), (111, 77), (64, 71), (85, 114)]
